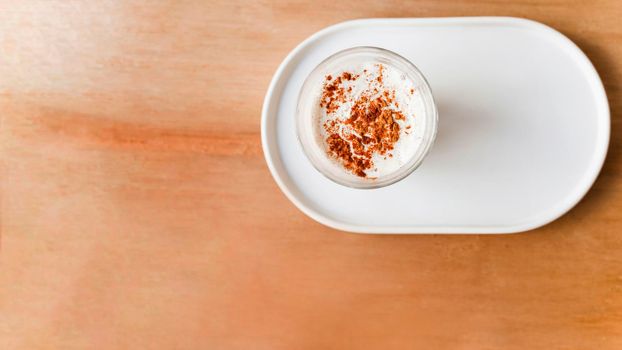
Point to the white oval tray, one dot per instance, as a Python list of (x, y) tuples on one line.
[(523, 128)]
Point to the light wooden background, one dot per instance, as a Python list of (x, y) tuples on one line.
[(137, 211)]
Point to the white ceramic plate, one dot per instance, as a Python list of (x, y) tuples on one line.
[(523, 128)]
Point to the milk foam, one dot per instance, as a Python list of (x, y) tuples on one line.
[(408, 100)]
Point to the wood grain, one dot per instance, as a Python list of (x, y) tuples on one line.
[(137, 210)]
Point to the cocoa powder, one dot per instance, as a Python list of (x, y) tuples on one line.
[(371, 128)]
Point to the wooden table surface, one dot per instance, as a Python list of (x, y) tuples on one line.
[(137, 211)]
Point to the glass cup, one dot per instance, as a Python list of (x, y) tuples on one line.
[(307, 125)]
